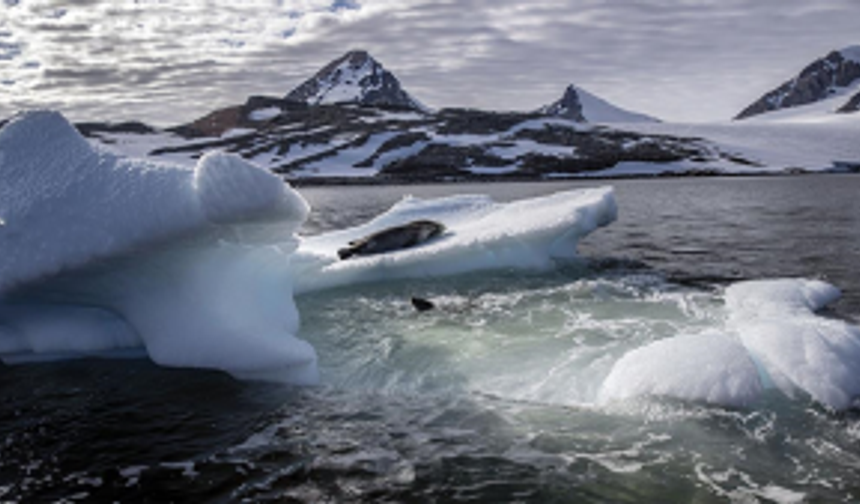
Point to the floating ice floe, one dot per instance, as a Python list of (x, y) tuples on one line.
[(772, 338), (196, 267), (480, 235)]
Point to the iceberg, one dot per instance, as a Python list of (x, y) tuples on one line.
[(198, 267), (481, 234), (772, 338), (797, 349), (102, 253), (707, 367)]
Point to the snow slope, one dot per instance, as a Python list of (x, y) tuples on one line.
[(578, 104), (821, 111), (808, 142), (600, 111)]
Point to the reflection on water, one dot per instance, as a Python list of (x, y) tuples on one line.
[(489, 398)]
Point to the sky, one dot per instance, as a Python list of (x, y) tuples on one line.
[(167, 62)]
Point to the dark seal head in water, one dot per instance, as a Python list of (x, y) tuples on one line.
[(393, 238), (422, 304)]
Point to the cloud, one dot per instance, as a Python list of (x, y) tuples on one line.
[(169, 62)]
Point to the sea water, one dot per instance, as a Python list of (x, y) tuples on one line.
[(494, 396)]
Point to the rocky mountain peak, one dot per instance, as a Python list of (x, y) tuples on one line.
[(568, 106), (822, 79), (355, 77)]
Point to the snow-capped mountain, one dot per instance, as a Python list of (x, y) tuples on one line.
[(318, 132), (355, 77), (580, 105), (830, 81)]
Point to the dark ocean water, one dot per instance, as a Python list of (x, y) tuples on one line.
[(442, 408)]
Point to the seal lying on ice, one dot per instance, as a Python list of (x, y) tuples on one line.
[(393, 238)]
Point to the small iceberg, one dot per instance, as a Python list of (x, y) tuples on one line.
[(772, 338)]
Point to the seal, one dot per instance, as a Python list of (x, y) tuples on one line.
[(393, 238)]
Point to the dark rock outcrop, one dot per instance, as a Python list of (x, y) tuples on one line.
[(134, 127), (852, 105)]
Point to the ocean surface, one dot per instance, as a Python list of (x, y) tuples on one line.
[(491, 397)]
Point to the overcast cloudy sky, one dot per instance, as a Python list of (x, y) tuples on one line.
[(169, 61)]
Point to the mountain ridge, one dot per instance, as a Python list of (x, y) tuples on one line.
[(341, 126), (826, 78)]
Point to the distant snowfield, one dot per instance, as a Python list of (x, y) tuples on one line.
[(794, 139)]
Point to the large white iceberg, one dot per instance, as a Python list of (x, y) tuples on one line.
[(197, 267), (103, 253), (772, 338)]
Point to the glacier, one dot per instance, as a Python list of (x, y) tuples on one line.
[(198, 267)]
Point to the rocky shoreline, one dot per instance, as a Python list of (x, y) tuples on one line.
[(385, 181)]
